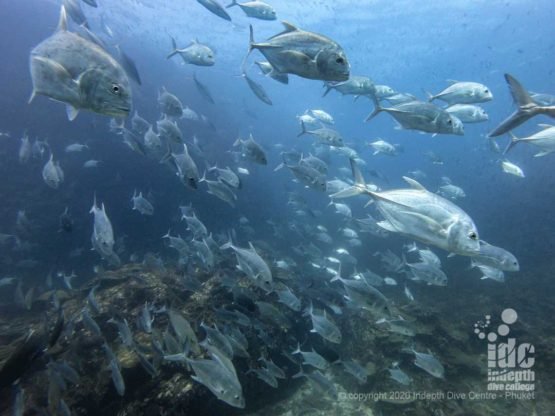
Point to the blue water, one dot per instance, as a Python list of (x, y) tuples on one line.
[(411, 46)]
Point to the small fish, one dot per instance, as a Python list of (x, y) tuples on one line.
[(117, 378), (257, 89), (463, 93), (256, 8), (216, 8), (511, 168), (195, 53), (428, 363), (141, 204)]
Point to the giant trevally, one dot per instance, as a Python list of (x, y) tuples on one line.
[(463, 93), (526, 108), (250, 263), (216, 8), (496, 257), (195, 53), (257, 89), (355, 85), (422, 215), (306, 54), (418, 115), (252, 150), (68, 68), (257, 9), (203, 90)]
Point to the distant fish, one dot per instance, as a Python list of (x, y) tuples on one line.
[(216, 8), (526, 108), (544, 140), (257, 89), (463, 93), (511, 168), (257, 9), (203, 90), (129, 66), (52, 173), (195, 53), (75, 71), (268, 70), (141, 204)]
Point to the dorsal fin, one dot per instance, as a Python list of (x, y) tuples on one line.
[(62, 23), (288, 27), (520, 95), (545, 126), (414, 184), (451, 81)]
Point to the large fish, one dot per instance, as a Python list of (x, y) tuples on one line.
[(422, 215), (75, 71), (216, 8), (306, 54), (526, 108)]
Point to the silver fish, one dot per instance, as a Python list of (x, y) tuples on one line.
[(216, 8), (195, 53), (257, 89), (256, 8), (306, 54), (75, 71)]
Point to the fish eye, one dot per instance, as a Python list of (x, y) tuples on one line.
[(472, 235), (340, 60), (486, 90), (116, 89), (449, 121), (236, 397)]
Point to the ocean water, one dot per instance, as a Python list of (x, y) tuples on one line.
[(413, 47)]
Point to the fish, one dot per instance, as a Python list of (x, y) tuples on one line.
[(184, 331), (185, 167), (103, 234), (141, 204), (322, 116), (428, 363), (544, 140), (117, 378), (324, 135), (400, 98), (421, 215), (203, 90), (451, 191), (252, 150), (170, 105), (356, 85), (302, 53), (195, 225), (257, 89), (418, 115), (395, 373), (463, 93), (256, 8), (265, 375), (70, 69), (250, 263), (324, 327), (52, 173), (169, 131), (268, 70), (356, 370), (75, 148), (320, 381), (220, 377), (139, 125), (73, 8), (312, 358), (511, 169), (216, 8), (429, 273), (195, 53), (129, 65), (227, 176), (220, 190), (468, 113), (490, 273), (398, 326), (24, 152), (496, 257), (383, 147), (526, 108)]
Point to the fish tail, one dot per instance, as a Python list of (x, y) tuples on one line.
[(174, 48), (301, 373), (514, 140), (303, 129), (429, 96), (298, 350), (377, 109), (328, 89), (233, 3), (227, 245)]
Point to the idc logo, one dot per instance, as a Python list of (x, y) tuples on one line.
[(509, 362)]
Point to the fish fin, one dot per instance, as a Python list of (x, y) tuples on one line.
[(72, 112), (414, 184), (429, 96), (289, 27), (437, 227), (62, 23), (233, 3), (520, 95), (377, 109), (451, 81), (32, 97), (303, 129), (514, 140), (540, 154), (545, 126), (174, 49)]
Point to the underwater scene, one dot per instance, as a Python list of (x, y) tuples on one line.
[(277, 208)]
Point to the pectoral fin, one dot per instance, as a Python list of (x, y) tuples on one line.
[(430, 222)]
